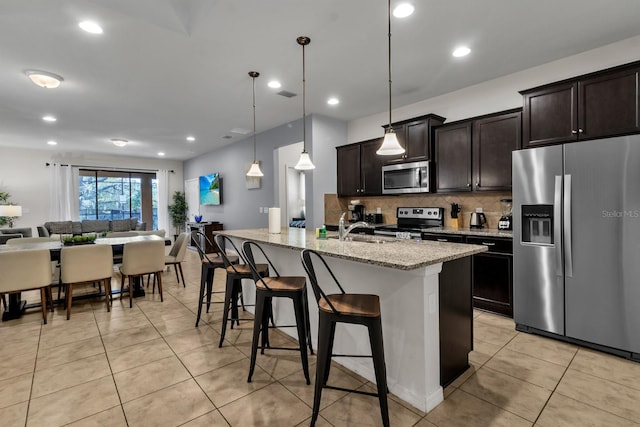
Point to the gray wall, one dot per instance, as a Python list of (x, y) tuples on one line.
[(240, 206)]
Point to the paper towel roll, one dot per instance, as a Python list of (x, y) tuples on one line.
[(274, 220)]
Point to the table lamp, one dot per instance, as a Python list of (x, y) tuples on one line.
[(10, 212)]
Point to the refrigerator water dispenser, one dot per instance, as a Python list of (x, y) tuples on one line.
[(537, 224)]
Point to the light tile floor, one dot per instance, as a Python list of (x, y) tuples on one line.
[(149, 366)]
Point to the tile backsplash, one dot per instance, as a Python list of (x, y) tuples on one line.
[(489, 202)]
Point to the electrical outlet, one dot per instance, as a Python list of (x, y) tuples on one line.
[(260, 209)]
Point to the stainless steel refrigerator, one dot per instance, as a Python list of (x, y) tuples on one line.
[(576, 235)]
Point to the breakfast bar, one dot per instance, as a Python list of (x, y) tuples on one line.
[(425, 295)]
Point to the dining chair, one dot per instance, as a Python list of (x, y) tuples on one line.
[(139, 259), (176, 255), (27, 270), (86, 264)]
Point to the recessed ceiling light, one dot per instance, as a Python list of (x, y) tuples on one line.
[(461, 51), (333, 101), (90, 27), (50, 119), (52, 143), (44, 79), (191, 138), (403, 10), (160, 154), (274, 84), (118, 142)]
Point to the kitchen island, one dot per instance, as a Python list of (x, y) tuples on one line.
[(425, 296)]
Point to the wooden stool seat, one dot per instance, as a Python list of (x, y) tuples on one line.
[(352, 304), (291, 283)]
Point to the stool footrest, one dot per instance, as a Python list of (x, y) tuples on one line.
[(278, 348), (368, 393), (351, 355), (282, 326)]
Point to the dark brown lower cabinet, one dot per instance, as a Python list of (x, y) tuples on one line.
[(492, 276)]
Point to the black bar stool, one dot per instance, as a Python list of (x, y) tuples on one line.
[(361, 309), (209, 264), (235, 274), (294, 287)]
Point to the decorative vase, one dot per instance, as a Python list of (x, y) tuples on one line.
[(198, 218)]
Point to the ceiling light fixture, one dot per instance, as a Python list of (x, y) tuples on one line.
[(403, 10), (333, 101), (49, 119), (118, 142), (390, 145), (90, 27), (304, 162), (44, 79), (461, 51), (255, 166), (274, 84), (191, 138), (52, 143), (161, 154)]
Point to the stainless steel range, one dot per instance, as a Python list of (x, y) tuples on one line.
[(413, 221)]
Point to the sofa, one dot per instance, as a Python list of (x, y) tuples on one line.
[(90, 226), (12, 233)]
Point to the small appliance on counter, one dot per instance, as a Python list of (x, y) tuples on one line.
[(455, 210), (356, 212), (374, 218), (478, 219), (506, 220)]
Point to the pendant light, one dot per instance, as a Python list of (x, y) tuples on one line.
[(255, 166), (390, 145), (304, 163)]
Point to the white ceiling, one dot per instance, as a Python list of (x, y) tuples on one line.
[(164, 69)]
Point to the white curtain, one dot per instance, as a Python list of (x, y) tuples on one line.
[(63, 193), (162, 177)]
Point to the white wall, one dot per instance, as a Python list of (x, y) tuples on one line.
[(24, 175), (501, 93)]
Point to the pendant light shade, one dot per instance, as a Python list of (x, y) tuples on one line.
[(390, 144), (255, 166), (304, 163)]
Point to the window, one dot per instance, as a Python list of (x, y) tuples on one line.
[(118, 195)]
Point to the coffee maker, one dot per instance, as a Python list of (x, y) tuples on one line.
[(356, 213), (506, 220)]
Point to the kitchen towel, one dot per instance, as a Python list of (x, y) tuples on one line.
[(274, 220)]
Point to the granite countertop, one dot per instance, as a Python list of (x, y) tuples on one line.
[(483, 232), (392, 253)]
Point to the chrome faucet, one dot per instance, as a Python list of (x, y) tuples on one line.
[(344, 232)]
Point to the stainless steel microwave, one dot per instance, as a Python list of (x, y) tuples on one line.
[(405, 178)]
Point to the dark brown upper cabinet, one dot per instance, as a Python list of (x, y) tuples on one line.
[(475, 154), (493, 140), (415, 136), (597, 105), (452, 155), (360, 169)]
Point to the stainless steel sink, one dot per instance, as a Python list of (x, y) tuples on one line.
[(365, 239)]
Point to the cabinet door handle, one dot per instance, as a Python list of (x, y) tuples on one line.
[(477, 184), (468, 185), (580, 130), (574, 132), (488, 243), (442, 240)]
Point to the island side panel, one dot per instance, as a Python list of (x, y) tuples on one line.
[(456, 319)]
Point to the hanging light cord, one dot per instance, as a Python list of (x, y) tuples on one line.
[(304, 103), (254, 117), (389, 18)]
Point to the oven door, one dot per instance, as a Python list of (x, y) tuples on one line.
[(405, 178)]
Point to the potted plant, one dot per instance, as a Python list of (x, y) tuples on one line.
[(178, 211)]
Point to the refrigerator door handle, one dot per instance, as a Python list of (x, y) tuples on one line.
[(567, 227), (557, 224)]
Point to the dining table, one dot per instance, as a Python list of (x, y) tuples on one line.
[(16, 306)]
